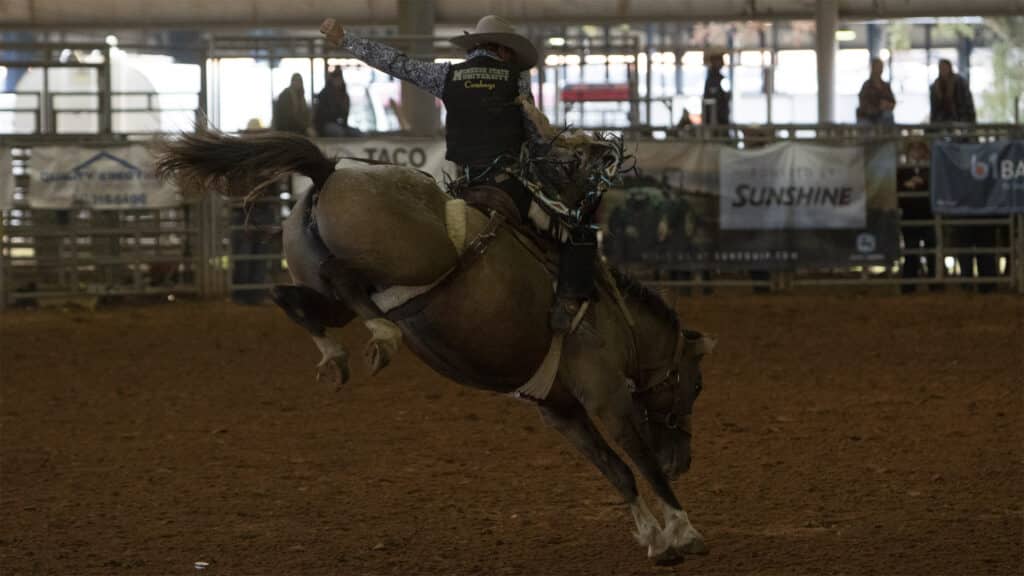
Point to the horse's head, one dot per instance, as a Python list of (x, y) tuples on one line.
[(666, 402)]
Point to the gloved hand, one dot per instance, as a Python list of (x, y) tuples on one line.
[(332, 31)]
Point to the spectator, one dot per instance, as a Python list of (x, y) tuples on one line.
[(331, 114), (716, 98), (952, 102), (951, 96), (913, 177), (876, 99), (291, 113)]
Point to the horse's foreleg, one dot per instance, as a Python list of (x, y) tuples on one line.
[(315, 312), (564, 413), (602, 390), (682, 537), (679, 536)]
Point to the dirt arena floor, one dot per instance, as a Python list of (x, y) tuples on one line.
[(836, 435)]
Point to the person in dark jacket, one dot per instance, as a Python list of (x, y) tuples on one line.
[(951, 96), (482, 92), (876, 101), (330, 117), (952, 102), (716, 98), (291, 113)]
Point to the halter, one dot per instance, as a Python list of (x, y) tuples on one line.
[(670, 419)]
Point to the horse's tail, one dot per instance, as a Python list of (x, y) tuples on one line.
[(239, 166)]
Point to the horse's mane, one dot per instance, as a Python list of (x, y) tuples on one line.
[(631, 287)]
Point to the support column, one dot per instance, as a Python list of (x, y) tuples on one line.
[(874, 39), (963, 53), (827, 21), (416, 18)]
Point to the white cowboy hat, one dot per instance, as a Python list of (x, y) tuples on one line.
[(496, 30)]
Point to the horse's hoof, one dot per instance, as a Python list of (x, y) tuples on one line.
[(695, 547), (333, 371), (669, 557), (378, 356)]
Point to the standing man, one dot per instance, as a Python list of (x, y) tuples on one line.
[(951, 96), (716, 98), (486, 125), (876, 99), (952, 102)]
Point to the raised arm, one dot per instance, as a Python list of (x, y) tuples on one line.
[(428, 76)]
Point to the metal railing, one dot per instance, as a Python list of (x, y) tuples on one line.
[(212, 248), (48, 110)]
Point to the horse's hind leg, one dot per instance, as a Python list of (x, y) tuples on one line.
[(316, 312), (309, 302), (564, 413), (385, 335)]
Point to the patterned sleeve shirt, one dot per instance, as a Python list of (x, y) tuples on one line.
[(428, 76)]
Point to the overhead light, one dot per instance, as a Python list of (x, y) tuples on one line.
[(556, 41), (846, 35)]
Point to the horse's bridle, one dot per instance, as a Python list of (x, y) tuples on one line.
[(670, 419)]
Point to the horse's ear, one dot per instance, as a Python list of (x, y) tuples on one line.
[(704, 345)]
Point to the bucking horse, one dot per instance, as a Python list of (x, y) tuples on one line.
[(469, 293)]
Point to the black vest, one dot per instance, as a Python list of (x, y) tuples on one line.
[(484, 120)]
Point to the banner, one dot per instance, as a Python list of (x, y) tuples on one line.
[(792, 186), (108, 178), (977, 179), (676, 215), (6, 180), (426, 154)]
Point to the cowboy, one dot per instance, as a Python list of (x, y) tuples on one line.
[(485, 124)]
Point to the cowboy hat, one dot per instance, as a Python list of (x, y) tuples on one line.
[(496, 30)]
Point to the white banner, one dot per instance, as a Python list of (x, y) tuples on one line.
[(109, 178), (425, 154), (6, 180), (792, 186)]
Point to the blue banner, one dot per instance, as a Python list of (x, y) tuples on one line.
[(978, 179)]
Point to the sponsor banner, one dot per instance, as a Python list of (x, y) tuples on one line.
[(426, 154), (790, 185), (672, 217), (978, 179), (6, 180), (108, 178)]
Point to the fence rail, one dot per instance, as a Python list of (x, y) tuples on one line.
[(213, 248)]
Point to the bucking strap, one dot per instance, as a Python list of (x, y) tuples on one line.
[(488, 198), (405, 301)]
